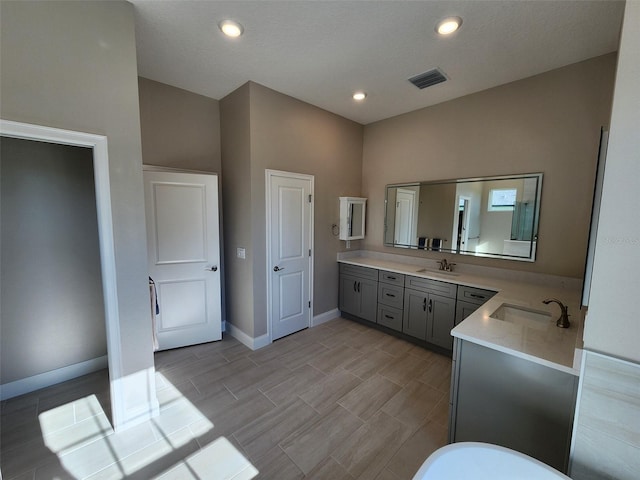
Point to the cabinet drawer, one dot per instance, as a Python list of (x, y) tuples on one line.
[(390, 295), (474, 295), (390, 317), (363, 272), (391, 278), (431, 286)]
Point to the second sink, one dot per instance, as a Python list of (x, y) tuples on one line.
[(522, 316)]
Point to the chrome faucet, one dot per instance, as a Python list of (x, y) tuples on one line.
[(563, 321), (446, 266)]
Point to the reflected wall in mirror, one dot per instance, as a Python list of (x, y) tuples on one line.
[(490, 216)]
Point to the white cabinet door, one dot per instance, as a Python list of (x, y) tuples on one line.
[(289, 230), (184, 256)]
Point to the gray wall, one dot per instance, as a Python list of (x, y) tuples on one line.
[(284, 134), (72, 65), (548, 123), (237, 198), (179, 129), (52, 305)]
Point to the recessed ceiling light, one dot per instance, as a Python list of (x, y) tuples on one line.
[(231, 28), (359, 96), (448, 25)]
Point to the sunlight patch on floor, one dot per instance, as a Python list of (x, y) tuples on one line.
[(79, 433), (218, 460)]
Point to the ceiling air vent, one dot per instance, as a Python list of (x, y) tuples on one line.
[(426, 79)]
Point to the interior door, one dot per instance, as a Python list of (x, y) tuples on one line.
[(289, 251), (405, 217), (184, 256)]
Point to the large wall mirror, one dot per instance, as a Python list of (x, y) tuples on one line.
[(489, 217)]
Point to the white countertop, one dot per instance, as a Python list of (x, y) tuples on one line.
[(550, 346)]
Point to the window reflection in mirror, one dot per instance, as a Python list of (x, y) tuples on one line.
[(492, 216)]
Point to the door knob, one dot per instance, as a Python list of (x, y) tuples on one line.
[(212, 269), (277, 268)]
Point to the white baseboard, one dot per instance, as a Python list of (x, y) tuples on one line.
[(42, 380), (263, 340), (325, 317), (252, 343)]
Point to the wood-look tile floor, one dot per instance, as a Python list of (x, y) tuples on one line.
[(338, 401)]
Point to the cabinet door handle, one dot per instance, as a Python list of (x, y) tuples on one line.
[(424, 304), (430, 305), (355, 286), (358, 286)]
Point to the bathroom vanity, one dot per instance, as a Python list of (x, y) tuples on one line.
[(514, 373), (417, 306)]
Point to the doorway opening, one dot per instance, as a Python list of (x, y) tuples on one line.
[(98, 145)]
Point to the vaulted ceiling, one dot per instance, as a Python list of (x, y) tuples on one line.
[(322, 51)]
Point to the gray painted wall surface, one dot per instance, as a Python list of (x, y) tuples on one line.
[(180, 129), (290, 135), (52, 304), (72, 65), (547, 123), (237, 197)]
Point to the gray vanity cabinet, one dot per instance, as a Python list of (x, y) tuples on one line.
[(390, 299), (440, 322), (429, 310), (414, 320), (359, 291), (469, 299), (502, 399)]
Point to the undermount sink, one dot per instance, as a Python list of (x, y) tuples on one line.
[(522, 316), (437, 272)]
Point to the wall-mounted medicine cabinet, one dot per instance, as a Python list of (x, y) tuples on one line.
[(352, 214)]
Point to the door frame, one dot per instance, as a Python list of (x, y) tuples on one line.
[(98, 144), (269, 174)]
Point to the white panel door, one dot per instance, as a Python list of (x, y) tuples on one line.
[(289, 235), (184, 256), (405, 215)]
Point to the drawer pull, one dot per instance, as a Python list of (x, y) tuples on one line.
[(390, 295), (475, 295), (390, 277), (389, 317)]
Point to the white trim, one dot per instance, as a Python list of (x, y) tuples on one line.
[(105, 233), (42, 380), (302, 176), (246, 340), (325, 317)]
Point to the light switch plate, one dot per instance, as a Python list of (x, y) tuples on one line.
[(241, 252)]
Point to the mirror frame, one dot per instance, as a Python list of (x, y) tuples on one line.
[(535, 220)]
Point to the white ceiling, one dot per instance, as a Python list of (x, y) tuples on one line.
[(321, 52)]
